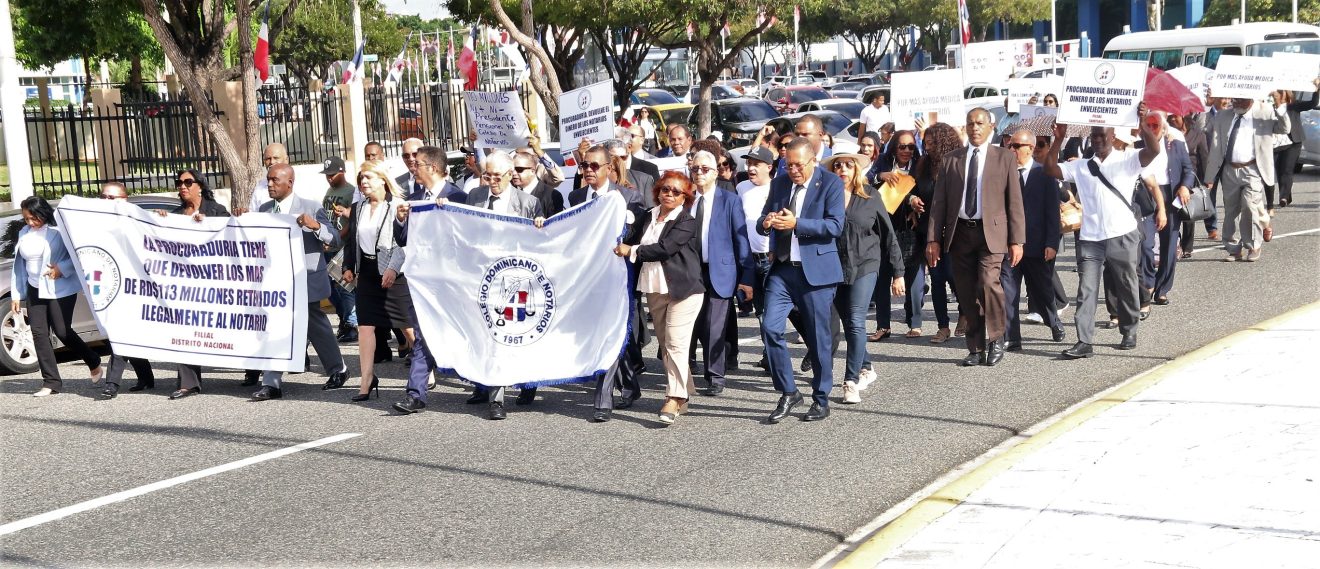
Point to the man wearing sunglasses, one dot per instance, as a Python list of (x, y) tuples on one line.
[(1040, 206), (408, 182), (525, 178), (146, 379)]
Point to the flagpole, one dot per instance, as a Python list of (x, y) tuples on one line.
[(357, 99)]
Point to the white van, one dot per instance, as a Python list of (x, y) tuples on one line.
[(1169, 49)]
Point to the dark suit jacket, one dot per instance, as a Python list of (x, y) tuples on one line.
[(1181, 172), (450, 191), (579, 195), (676, 253), (1199, 151), (552, 202), (520, 203), (819, 224), (650, 169), (1040, 204), (729, 256), (1001, 200)]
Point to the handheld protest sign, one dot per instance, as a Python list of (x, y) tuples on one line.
[(1102, 92)]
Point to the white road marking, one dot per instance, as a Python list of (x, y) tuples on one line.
[(37, 520)]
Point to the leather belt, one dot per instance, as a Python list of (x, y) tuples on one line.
[(1242, 164), (789, 263), (759, 256), (368, 257), (970, 222)]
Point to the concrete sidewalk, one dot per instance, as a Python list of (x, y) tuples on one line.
[(1212, 460)]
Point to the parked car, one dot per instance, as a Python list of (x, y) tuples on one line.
[(984, 93), (870, 92), (846, 86), (736, 121), (651, 97), (1311, 148), (717, 93), (805, 80), (19, 354), (750, 88), (851, 108), (787, 99), (410, 125)]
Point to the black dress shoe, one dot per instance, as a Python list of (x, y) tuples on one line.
[(816, 413), (1129, 341), (624, 402), (185, 392), (140, 385), (806, 365), (526, 396), (335, 381), (1078, 351), (348, 337), (111, 391), (786, 404), (1057, 334), (267, 392), (1012, 346), (730, 363), (1161, 301), (763, 364), (410, 405), (601, 416), (251, 378), (974, 359), (496, 411), (714, 390), (995, 353), (382, 358), (478, 396)]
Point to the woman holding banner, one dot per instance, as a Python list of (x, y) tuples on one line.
[(44, 281), (198, 202), (670, 277), (375, 261)]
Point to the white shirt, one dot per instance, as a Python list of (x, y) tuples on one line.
[(33, 247), (1158, 169), (471, 184), (285, 205), (1024, 173), (794, 251), (980, 180), (709, 198), (501, 203), (651, 278), (1104, 216), (368, 226), (529, 188), (753, 198), (876, 117), (1244, 146)]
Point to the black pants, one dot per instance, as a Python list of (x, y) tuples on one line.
[(47, 315), (118, 363), (1285, 161)]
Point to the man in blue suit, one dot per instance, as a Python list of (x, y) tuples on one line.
[(726, 263), (1040, 207), (803, 217)]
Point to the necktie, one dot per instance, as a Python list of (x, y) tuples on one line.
[(491, 204), (699, 212), (1232, 137), (426, 192), (1022, 175), (969, 192), (277, 207), (593, 195), (417, 187), (784, 239)]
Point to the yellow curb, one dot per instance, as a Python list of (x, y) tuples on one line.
[(904, 527)]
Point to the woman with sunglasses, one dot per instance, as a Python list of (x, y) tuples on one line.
[(198, 202), (901, 160), (43, 280), (869, 253), (670, 277), (1051, 100)]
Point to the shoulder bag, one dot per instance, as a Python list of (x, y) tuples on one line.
[(1070, 215), (1199, 205), (1139, 209)]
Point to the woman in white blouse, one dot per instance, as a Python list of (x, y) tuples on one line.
[(375, 262), (670, 277), (44, 281)]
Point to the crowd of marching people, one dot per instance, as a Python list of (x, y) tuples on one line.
[(798, 235)]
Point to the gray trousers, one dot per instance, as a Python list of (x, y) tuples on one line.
[(1244, 209), (322, 337), (1117, 258)]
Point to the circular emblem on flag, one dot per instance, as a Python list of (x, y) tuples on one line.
[(584, 100), (1104, 73), (517, 301), (100, 274)]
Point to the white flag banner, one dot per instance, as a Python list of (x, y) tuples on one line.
[(504, 303), (223, 292)]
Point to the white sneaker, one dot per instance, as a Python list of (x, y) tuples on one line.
[(850, 393), (865, 378), (1033, 318), (44, 392)]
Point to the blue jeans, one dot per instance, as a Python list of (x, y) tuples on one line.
[(914, 278), (345, 303), (940, 277), (851, 301)]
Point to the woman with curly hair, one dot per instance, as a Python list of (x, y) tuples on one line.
[(938, 141)]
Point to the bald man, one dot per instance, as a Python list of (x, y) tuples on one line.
[(274, 153)]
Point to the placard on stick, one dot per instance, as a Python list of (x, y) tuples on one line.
[(1243, 77), (586, 113), (1102, 92), (497, 118)]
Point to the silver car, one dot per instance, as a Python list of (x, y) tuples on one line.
[(19, 354)]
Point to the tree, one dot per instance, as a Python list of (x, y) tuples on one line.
[(317, 36), (984, 13), (48, 32), (1223, 12), (194, 39)]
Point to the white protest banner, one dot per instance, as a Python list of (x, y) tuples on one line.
[(1243, 77), (586, 113), (993, 62), (1300, 71), (223, 292), (517, 304), (1195, 77), (1020, 91), (1102, 92), (497, 118), (935, 96)]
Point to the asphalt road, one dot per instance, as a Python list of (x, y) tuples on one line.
[(547, 487)]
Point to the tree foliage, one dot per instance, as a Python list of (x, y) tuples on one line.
[(1223, 12), (320, 33), (48, 32)]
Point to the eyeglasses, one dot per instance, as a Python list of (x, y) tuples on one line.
[(701, 169), (421, 163), (494, 175), (521, 169), (843, 164), (1019, 145), (592, 166), (670, 190), (912, 147), (793, 166), (184, 183)]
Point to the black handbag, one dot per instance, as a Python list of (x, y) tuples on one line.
[(1140, 207), (1199, 206)]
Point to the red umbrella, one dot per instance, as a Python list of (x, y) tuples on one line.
[(1166, 93)]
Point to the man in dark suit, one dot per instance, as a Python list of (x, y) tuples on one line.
[(316, 234), (408, 182), (976, 217), (803, 217), (726, 263), (1040, 207), (625, 371), (525, 178)]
